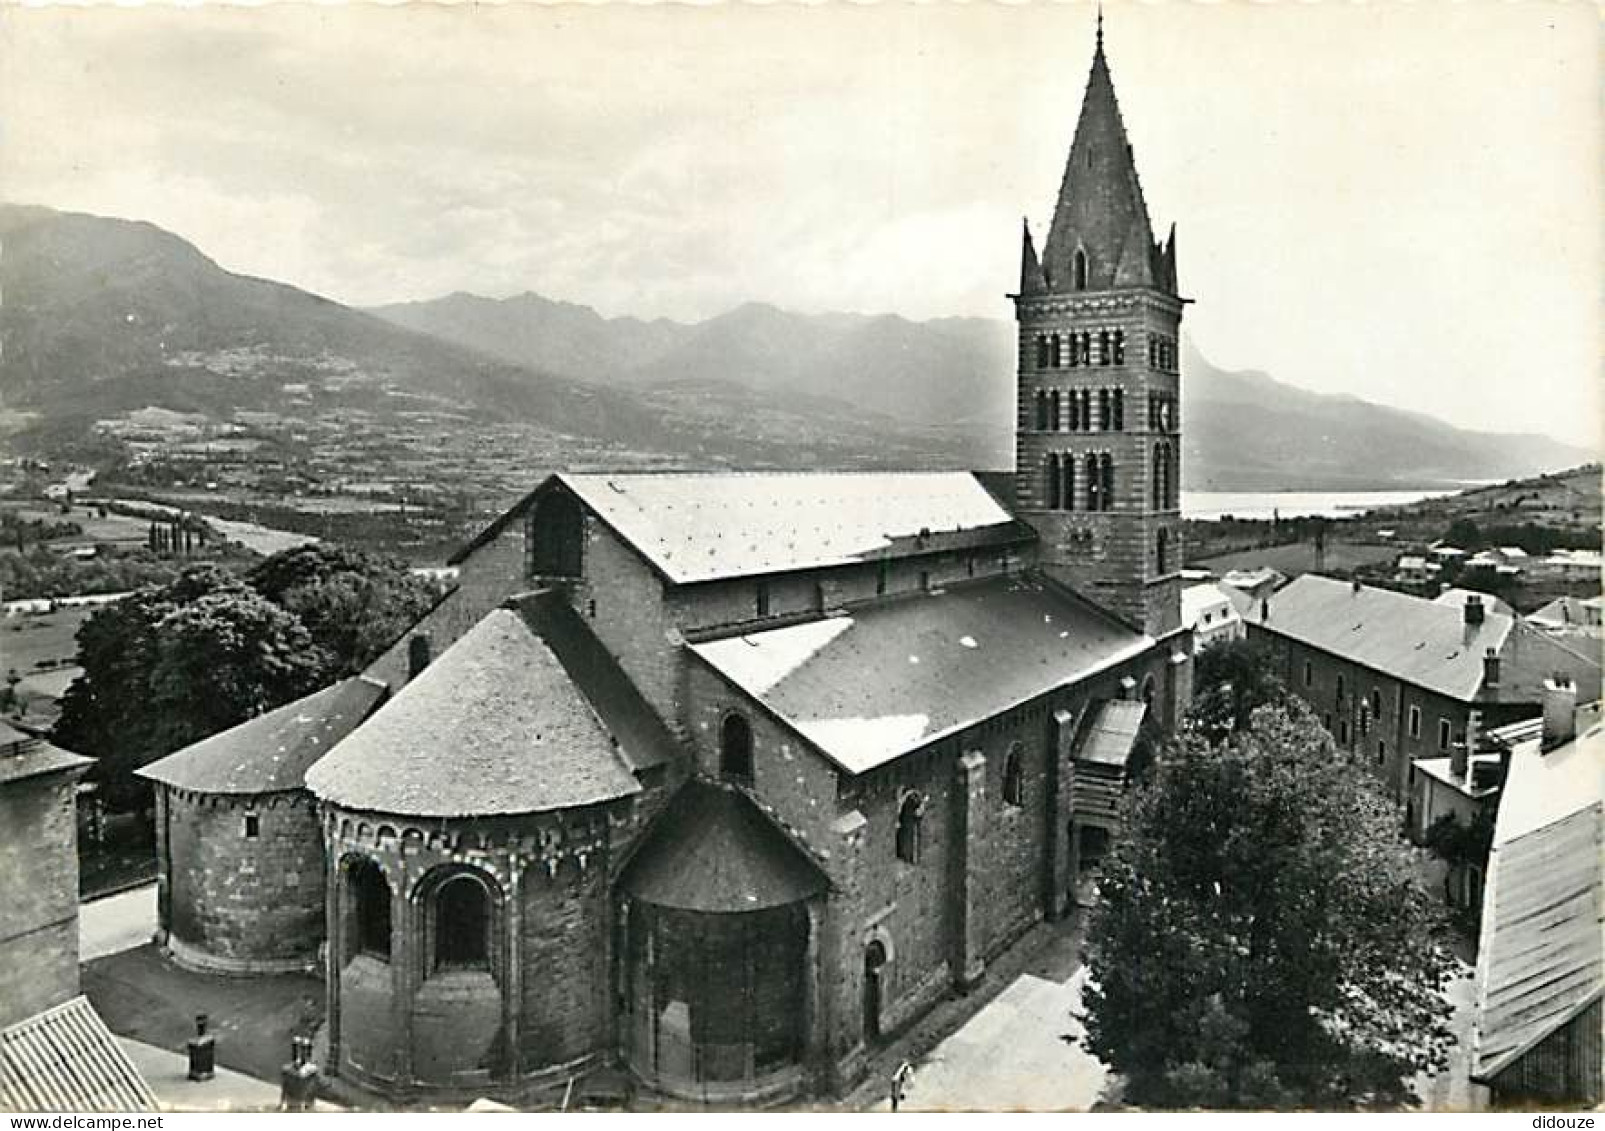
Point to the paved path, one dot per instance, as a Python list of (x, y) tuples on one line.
[(1020, 1053), (116, 923), (167, 1073)]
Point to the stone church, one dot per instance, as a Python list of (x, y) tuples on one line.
[(723, 779)]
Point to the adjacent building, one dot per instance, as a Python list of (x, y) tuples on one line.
[(1540, 960), (1397, 679), (1210, 611)]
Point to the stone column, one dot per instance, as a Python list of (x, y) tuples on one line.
[(513, 965), (968, 963), (1061, 784), (843, 947), (334, 943), (815, 1032), (403, 979)]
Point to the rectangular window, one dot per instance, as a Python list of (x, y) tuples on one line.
[(1382, 752), (253, 826), (1309, 674), (882, 569), (1343, 732), (925, 581), (1443, 734), (763, 598), (1415, 722)]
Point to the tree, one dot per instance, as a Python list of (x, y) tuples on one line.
[(1231, 680), (172, 664), (354, 604), (223, 658), (1263, 937)]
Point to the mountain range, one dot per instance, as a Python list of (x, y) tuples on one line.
[(103, 316)]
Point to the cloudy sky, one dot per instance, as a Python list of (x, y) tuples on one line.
[(1400, 201)]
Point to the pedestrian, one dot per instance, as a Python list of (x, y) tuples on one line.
[(902, 1080)]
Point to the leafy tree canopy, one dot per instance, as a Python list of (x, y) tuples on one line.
[(1264, 937), (172, 664), (1231, 680)]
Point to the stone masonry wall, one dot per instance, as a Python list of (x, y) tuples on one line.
[(39, 891), (237, 902)]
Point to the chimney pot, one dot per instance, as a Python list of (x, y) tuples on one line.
[(1490, 668), (1560, 711)]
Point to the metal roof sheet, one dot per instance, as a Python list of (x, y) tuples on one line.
[(1541, 958), (273, 751), (712, 850), (1113, 731), (869, 685), (495, 725), (66, 1060), (1410, 638), (702, 526)]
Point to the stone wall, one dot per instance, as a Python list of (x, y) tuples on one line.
[(235, 902), (540, 1006), (39, 891)]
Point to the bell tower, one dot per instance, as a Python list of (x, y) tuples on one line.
[(1098, 432)]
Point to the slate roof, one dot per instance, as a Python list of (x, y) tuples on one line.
[(66, 1060), (495, 725), (713, 850), (703, 526), (1541, 959), (1112, 733), (23, 755), (869, 685), (273, 751), (1413, 639)]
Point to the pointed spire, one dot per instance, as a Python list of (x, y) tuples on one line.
[(1100, 207), (1031, 281)]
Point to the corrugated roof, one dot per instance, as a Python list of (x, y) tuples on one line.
[(712, 850), (273, 751), (66, 1060), (1541, 959), (1410, 638), (494, 726), (700, 526), (872, 684), (1113, 731), (23, 755)]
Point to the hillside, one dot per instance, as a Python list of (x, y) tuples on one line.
[(1245, 431), (104, 317)]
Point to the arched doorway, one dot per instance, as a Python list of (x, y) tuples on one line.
[(874, 970)]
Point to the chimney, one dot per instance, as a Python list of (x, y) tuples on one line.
[(1264, 609), (1490, 669), (1560, 711), (1355, 583), (1460, 757), (1473, 609), (1473, 738)]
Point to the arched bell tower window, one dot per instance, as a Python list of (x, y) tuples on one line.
[(735, 747), (462, 923), (909, 816), (1079, 270), (1052, 483), (1106, 484), (1094, 484), (368, 897), (1161, 550)]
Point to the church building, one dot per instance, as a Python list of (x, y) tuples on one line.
[(726, 778)]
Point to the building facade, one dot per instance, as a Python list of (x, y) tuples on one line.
[(727, 778), (1398, 679)]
